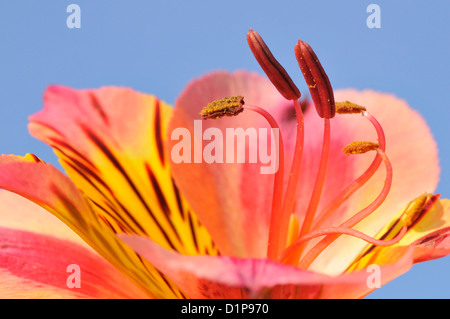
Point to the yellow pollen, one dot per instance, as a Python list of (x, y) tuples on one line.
[(228, 106), (293, 229), (349, 108), (414, 210), (360, 147)]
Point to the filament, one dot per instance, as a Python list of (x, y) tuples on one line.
[(359, 182), (291, 189), (340, 231), (324, 243), (274, 228)]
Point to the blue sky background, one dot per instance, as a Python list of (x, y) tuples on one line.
[(159, 46)]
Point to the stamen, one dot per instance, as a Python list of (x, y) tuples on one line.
[(277, 197), (349, 108), (233, 106), (414, 210), (360, 181), (410, 215), (360, 148), (322, 95), (228, 106), (291, 189), (324, 243), (318, 187), (320, 180), (273, 69), (285, 256), (317, 80)]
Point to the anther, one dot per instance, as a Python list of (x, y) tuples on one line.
[(360, 148), (316, 79), (414, 210), (349, 108), (273, 69), (228, 106)]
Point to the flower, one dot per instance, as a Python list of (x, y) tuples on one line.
[(154, 227)]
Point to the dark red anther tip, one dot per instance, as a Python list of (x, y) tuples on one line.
[(317, 80), (273, 69)]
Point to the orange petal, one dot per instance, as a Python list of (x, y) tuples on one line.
[(110, 143)]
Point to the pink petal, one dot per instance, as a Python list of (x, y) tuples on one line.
[(36, 250), (229, 198), (14, 287), (225, 277), (45, 185), (41, 264), (17, 212), (48, 187)]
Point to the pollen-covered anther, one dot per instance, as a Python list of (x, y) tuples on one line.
[(317, 80), (349, 108), (273, 69), (227, 106), (360, 147), (413, 210)]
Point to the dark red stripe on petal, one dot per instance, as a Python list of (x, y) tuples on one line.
[(159, 194), (85, 171), (95, 103), (107, 223), (162, 200), (35, 158), (51, 128), (69, 206), (194, 236), (107, 152), (434, 238), (62, 147), (118, 219), (158, 132), (178, 198)]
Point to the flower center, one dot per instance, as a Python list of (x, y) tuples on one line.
[(287, 239)]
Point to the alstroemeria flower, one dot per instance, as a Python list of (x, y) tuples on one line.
[(152, 227)]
